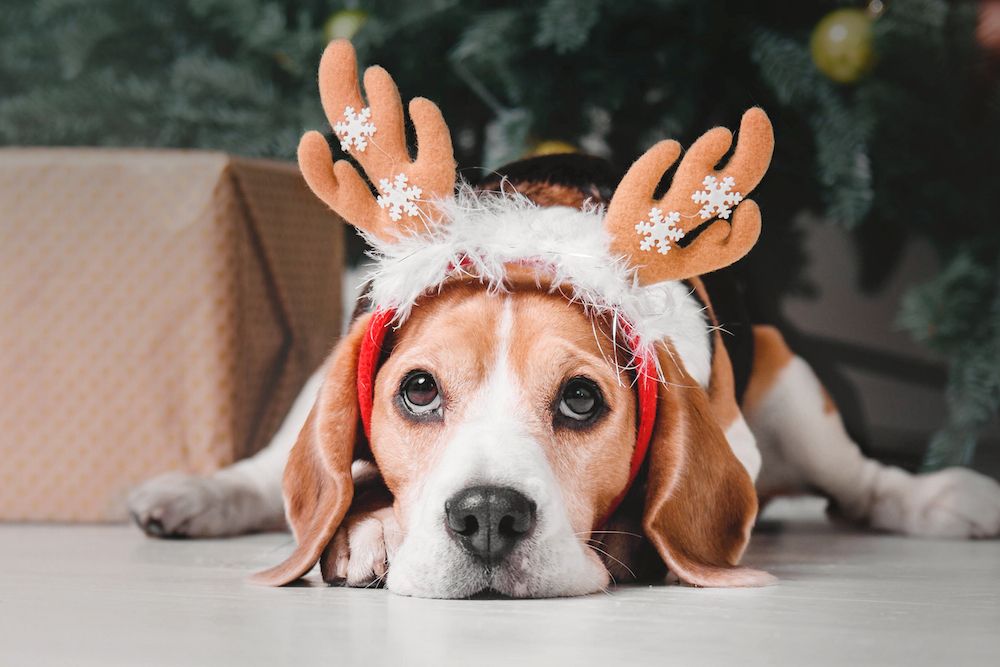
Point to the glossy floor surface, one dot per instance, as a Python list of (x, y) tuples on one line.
[(107, 595)]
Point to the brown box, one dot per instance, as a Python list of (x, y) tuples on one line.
[(159, 310)]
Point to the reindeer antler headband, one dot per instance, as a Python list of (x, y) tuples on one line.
[(624, 262), (414, 193)]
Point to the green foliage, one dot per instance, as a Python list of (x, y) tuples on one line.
[(223, 74), (907, 151), (565, 25), (841, 133), (957, 314)]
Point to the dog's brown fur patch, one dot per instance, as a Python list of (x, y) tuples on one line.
[(771, 355)]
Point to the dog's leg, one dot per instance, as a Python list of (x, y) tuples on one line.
[(366, 541), (246, 497), (804, 444), (243, 498)]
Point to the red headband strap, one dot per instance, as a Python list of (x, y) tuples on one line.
[(368, 363), (646, 385)]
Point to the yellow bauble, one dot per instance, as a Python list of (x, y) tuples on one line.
[(344, 24), (551, 147), (841, 45)]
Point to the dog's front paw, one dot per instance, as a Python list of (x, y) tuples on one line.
[(362, 549), (951, 503), (180, 505)]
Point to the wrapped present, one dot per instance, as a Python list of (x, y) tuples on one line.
[(159, 311)]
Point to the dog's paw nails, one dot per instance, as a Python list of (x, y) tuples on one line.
[(954, 503), (175, 505)]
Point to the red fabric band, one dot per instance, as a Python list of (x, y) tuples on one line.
[(368, 362)]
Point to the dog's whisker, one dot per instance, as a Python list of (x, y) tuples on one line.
[(608, 532), (377, 581), (627, 568)]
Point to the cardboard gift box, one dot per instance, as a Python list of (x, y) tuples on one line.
[(159, 310)]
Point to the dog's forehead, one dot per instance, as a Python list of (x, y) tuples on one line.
[(455, 328), (466, 318)]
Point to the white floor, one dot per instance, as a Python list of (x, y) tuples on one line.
[(108, 596)]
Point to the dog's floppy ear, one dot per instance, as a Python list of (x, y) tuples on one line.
[(318, 487), (700, 501)]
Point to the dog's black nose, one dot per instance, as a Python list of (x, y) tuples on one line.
[(489, 520)]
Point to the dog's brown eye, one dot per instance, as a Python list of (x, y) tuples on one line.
[(420, 393), (581, 400)]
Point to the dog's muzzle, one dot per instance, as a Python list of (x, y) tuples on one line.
[(489, 521)]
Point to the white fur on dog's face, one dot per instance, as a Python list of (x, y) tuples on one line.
[(500, 361)]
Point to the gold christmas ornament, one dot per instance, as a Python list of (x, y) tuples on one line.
[(841, 45), (550, 147)]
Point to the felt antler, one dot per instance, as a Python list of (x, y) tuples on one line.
[(374, 136), (645, 231)]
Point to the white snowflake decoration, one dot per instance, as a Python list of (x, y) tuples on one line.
[(717, 198), (355, 129), (659, 231), (399, 198)]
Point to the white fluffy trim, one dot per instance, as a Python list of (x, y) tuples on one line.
[(488, 230)]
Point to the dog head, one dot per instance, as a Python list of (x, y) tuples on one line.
[(503, 384), (504, 434)]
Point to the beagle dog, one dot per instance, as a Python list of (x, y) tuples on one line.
[(540, 398)]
